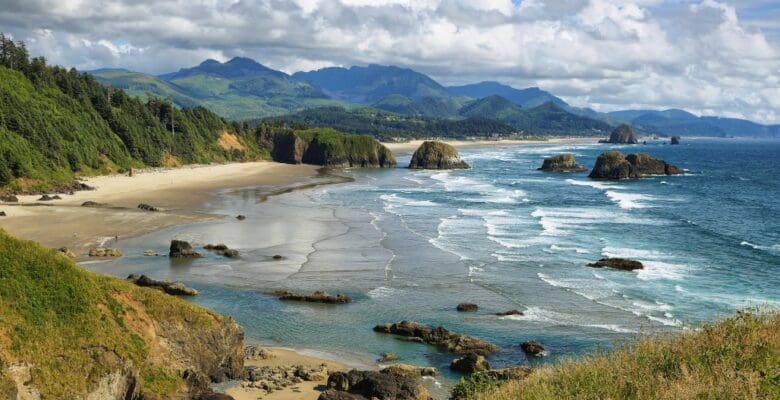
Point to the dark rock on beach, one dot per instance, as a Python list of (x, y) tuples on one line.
[(182, 249), (9, 198), (277, 257), (147, 207), (675, 140), (441, 337), (93, 204), (510, 312), (383, 385), (470, 363), (562, 163), (2, 214), (467, 307), (623, 264), (533, 348), (172, 288), (104, 252), (46, 197), (240, 217), (623, 134), (614, 165), (315, 297), (436, 155), (222, 250)]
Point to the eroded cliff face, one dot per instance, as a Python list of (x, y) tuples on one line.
[(327, 147), (67, 333), (436, 155)]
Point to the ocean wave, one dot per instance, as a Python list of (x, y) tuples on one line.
[(383, 292), (578, 250), (773, 248), (624, 252), (487, 192), (538, 314), (629, 200), (665, 321), (657, 270), (594, 184), (452, 227)]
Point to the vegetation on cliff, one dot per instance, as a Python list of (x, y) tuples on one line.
[(736, 358), (436, 155), (66, 332)]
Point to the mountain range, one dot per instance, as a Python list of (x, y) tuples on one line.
[(242, 89)]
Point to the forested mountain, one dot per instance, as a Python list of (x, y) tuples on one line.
[(56, 123), (369, 84), (437, 107), (680, 122), (527, 98)]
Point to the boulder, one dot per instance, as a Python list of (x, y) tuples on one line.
[(411, 370), (182, 249), (9, 198), (510, 312), (213, 396), (67, 252), (385, 357), (253, 352), (277, 257), (222, 250), (147, 207), (46, 197), (614, 165), (533, 348), (90, 203), (104, 252), (316, 297), (470, 363), (383, 385), (623, 134), (2, 214), (436, 155), (623, 264), (78, 186), (150, 253), (467, 307), (172, 288), (562, 163), (440, 337), (240, 217), (675, 140)]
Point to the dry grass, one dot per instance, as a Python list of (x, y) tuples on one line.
[(736, 358)]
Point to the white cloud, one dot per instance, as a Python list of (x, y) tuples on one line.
[(699, 55)]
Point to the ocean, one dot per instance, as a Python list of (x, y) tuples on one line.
[(409, 244)]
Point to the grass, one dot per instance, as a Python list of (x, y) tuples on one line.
[(74, 326), (735, 358)]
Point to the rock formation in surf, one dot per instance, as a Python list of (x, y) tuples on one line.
[(623, 264), (436, 155), (451, 341), (562, 163), (614, 165), (623, 134)]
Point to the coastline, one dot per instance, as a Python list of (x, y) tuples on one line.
[(412, 145)]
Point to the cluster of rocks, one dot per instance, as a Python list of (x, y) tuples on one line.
[(148, 207), (509, 312), (470, 363), (270, 379), (253, 352), (440, 337), (93, 204), (388, 384), (104, 252), (316, 297), (9, 198), (562, 163), (79, 186), (67, 252), (614, 165), (436, 155), (533, 348), (222, 250), (467, 307), (623, 264), (170, 287), (182, 249), (46, 197)]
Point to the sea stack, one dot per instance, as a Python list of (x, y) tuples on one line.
[(614, 165), (436, 155), (623, 134), (675, 140), (562, 163)]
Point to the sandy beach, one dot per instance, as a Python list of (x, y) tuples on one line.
[(180, 193), (412, 145)]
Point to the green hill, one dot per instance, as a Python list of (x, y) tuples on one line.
[(56, 124), (66, 333), (435, 107)]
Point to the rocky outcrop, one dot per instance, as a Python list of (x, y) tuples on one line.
[(508, 313), (614, 165), (182, 249), (170, 287), (93, 204), (436, 155), (675, 140), (470, 363), (623, 264), (467, 307), (148, 207), (9, 198), (411, 370), (386, 357), (46, 197), (327, 147), (315, 297), (623, 134), (272, 378), (104, 252), (562, 163), (222, 250), (440, 337), (382, 385), (533, 348)]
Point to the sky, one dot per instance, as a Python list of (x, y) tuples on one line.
[(706, 56)]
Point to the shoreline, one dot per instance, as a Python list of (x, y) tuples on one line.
[(412, 145)]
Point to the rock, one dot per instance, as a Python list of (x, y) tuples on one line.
[(467, 307), (213, 396), (441, 337), (172, 288), (315, 297), (383, 385), (104, 252), (410, 370), (150, 253), (240, 217), (388, 357), (623, 264), (222, 250), (182, 249), (2, 214), (272, 378), (277, 257), (436, 155), (78, 186), (147, 207), (533, 348), (614, 165), (46, 197), (257, 353), (93, 204), (562, 163), (470, 363), (67, 253), (623, 134), (9, 198), (675, 140), (510, 312)]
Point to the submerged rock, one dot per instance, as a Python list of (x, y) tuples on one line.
[(510, 312), (385, 357), (182, 249), (172, 288), (467, 307), (533, 348), (147, 207), (562, 163), (388, 384), (315, 297), (614, 165), (436, 155), (623, 264), (623, 134), (675, 140), (441, 337), (94, 204), (104, 252), (470, 363), (222, 250)]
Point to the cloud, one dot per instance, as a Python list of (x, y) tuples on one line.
[(706, 56)]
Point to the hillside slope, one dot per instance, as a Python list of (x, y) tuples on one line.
[(68, 333)]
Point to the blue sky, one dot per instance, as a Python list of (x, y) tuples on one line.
[(709, 57)]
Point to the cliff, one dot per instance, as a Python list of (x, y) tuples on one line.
[(327, 147), (561, 163), (436, 155), (68, 333)]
